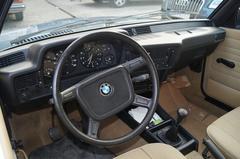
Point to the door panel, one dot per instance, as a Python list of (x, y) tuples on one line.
[(220, 81)]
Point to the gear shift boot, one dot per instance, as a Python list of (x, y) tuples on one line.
[(163, 137), (170, 135)]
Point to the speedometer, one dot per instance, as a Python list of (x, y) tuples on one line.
[(91, 55)]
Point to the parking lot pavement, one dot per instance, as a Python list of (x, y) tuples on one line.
[(87, 8), (36, 12), (41, 11)]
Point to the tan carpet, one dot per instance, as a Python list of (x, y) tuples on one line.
[(194, 93)]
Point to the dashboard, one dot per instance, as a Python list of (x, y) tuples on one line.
[(26, 72), (87, 59)]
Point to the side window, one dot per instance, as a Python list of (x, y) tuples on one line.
[(214, 4), (208, 7)]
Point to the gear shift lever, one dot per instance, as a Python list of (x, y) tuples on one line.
[(172, 133)]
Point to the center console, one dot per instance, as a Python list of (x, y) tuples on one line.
[(168, 130)]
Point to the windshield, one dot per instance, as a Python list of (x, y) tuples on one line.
[(30, 19)]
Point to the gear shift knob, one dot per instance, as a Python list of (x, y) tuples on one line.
[(181, 114)]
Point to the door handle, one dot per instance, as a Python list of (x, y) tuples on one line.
[(225, 62)]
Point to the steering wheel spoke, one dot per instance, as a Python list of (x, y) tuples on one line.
[(141, 101), (134, 64), (93, 128), (68, 94)]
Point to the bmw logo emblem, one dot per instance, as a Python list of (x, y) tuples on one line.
[(105, 89)]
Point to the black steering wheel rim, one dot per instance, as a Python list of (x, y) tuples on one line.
[(58, 101)]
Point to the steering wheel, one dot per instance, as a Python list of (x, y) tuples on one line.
[(105, 93)]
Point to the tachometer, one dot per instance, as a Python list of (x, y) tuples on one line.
[(91, 55)]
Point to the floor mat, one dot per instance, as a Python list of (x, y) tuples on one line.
[(70, 148), (198, 119)]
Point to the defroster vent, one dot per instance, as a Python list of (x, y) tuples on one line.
[(138, 30)]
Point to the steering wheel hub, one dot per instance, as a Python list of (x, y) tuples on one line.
[(106, 89), (116, 93)]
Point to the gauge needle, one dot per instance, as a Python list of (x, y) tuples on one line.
[(90, 59)]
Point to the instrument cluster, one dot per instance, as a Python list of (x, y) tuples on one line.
[(92, 56)]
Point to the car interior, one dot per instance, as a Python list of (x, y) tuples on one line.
[(155, 90)]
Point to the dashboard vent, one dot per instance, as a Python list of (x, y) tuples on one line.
[(138, 30), (26, 81), (12, 59), (40, 37)]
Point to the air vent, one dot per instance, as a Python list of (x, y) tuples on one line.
[(12, 59), (143, 30), (130, 32), (26, 81), (138, 30), (40, 37)]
